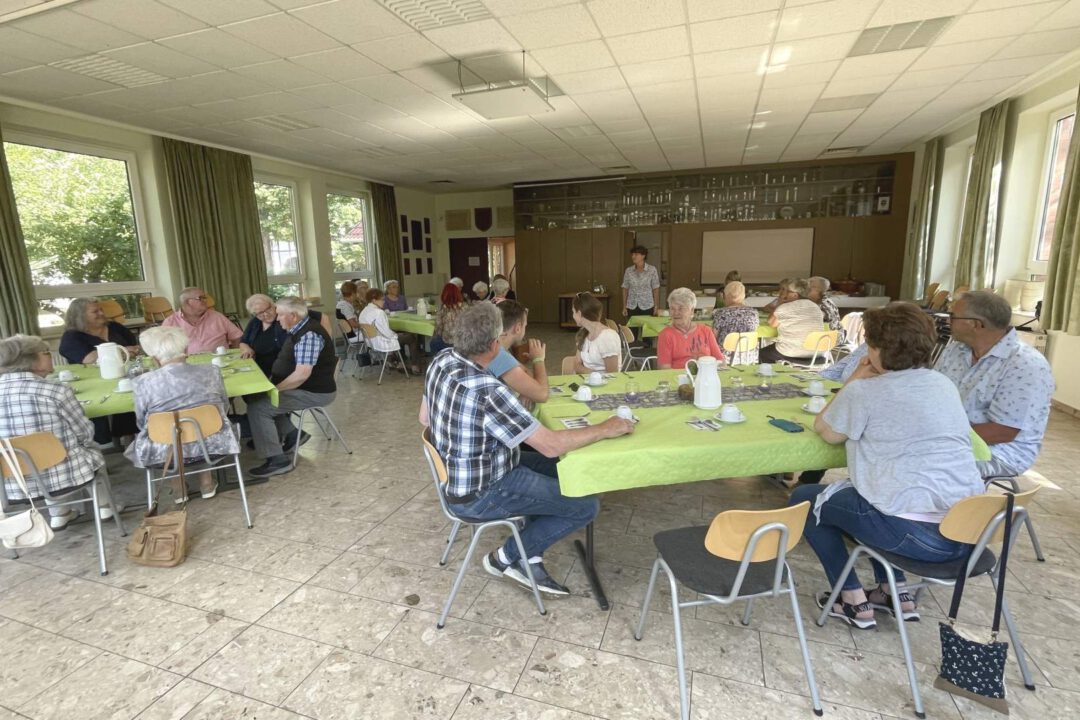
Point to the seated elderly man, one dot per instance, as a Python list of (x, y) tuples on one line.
[(796, 317), (684, 340), (263, 337), (1005, 384), (818, 287), (478, 427), (206, 328), (304, 375)]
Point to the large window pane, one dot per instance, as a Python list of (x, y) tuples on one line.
[(52, 310), (77, 216), (349, 246), (278, 223), (1059, 152)]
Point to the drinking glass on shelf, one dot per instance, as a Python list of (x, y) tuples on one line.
[(632, 390)]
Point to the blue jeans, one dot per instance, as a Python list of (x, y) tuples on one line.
[(848, 513), (532, 489)]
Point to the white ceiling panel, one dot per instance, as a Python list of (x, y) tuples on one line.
[(402, 52), (161, 60), (32, 47), (46, 83), (1014, 67), (932, 78), (589, 55), (590, 81), (1067, 16), (281, 74), (730, 33), (658, 71), (353, 21), (959, 54), (145, 18), (219, 48), (995, 23), (858, 86), (216, 12), (340, 64), (728, 62), (282, 34), (812, 50), (484, 37), (892, 12), (796, 75), (712, 10), (551, 27), (828, 121), (878, 64), (502, 8), (77, 30), (10, 62), (823, 18), (651, 45), (729, 89), (622, 17), (984, 5), (1065, 40)]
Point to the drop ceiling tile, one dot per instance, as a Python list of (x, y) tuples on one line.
[(892, 12), (566, 113), (858, 86), (281, 74), (661, 71), (712, 10), (781, 98), (907, 98), (590, 81), (730, 62), (282, 35), (958, 54), (995, 23), (216, 12), (609, 105), (729, 33), (340, 64), (295, 4), (589, 55), (622, 17), (984, 5), (651, 45), (10, 62), (45, 83), (402, 52), (1013, 67), (441, 79), (551, 27), (502, 8), (725, 89), (146, 18), (385, 87), (330, 95), (1041, 43), (161, 60), (484, 37), (810, 73), (219, 48), (931, 78), (77, 30), (1067, 16), (32, 47), (353, 21), (978, 91), (823, 18), (812, 50), (878, 64)]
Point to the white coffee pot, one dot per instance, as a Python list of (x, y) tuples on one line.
[(112, 359), (705, 377), (422, 307)]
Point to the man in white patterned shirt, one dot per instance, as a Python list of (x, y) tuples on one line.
[(1006, 385), (477, 426)]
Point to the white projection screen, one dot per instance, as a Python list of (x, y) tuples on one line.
[(760, 256)]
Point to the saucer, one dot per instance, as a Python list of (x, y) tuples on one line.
[(575, 397), (118, 390), (742, 419), (602, 383), (806, 391), (806, 408), (761, 374)]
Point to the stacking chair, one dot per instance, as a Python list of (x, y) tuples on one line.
[(631, 354), (740, 557), (822, 343), (114, 312), (611, 324), (1013, 486), (196, 424), (978, 521), (438, 476), (928, 295), (568, 365), (319, 415), (350, 345), (940, 300), (371, 333), (739, 345), (37, 452), (156, 309)]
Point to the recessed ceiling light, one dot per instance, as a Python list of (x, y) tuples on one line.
[(846, 102), (110, 70), (430, 14)]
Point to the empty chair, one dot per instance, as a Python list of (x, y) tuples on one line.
[(741, 348), (370, 333), (114, 312), (568, 365), (940, 299), (740, 557), (611, 324), (351, 344), (822, 343), (156, 309), (642, 356)]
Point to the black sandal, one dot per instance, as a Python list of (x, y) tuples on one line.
[(881, 600), (847, 612)]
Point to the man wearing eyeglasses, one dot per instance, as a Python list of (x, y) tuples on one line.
[(1005, 384), (207, 329)]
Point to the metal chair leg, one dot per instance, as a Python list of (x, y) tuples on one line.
[(149, 488), (460, 576), (106, 484), (450, 542), (680, 658), (385, 359), (648, 599), (894, 594), (321, 412), (839, 585), (404, 367), (243, 491), (97, 527), (811, 680), (528, 566), (1018, 647), (746, 613)]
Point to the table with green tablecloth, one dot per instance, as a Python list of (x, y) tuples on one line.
[(411, 322), (100, 397), (651, 325)]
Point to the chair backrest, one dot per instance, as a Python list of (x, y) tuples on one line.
[(852, 325), (968, 520), (37, 452), (568, 365), (940, 298), (195, 423), (314, 301), (344, 326), (705, 302), (438, 471), (156, 309), (731, 532), (114, 312), (369, 330), (627, 336), (822, 341), (740, 342), (611, 324), (929, 294)]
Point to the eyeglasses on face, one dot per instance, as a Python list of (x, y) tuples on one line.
[(954, 318)]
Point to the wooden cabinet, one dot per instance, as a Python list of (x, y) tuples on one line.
[(609, 259), (527, 259), (552, 274), (579, 261)]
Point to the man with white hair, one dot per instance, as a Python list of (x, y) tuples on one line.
[(819, 286), (304, 375), (206, 328)]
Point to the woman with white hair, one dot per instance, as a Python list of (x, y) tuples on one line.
[(176, 385), (394, 299), (736, 317), (684, 339), (29, 403), (499, 289), (481, 291), (264, 337), (795, 318)]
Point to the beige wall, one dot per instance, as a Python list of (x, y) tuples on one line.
[(417, 204)]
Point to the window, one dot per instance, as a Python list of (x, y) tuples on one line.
[(77, 208), (277, 220), (1060, 133), (350, 236)]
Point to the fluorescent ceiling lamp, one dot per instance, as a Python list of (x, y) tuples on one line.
[(511, 99)]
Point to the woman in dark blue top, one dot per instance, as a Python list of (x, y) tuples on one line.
[(264, 336)]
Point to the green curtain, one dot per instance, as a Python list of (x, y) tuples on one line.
[(212, 193), (1061, 301), (917, 252), (384, 208), (18, 305), (976, 253)]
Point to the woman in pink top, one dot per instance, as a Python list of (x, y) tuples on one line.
[(684, 339)]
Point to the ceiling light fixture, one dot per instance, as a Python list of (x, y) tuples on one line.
[(425, 15), (512, 98), (903, 36)]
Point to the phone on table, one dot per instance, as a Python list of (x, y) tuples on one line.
[(786, 425)]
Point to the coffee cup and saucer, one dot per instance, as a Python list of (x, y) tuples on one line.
[(626, 413), (765, 370), (65, 376), (815, 404), (596, 379), (125, 385), (816, 388), (730, 414), (583, 394)]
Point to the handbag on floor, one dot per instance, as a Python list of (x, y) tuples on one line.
[(969, 668), (27, 529), (161, 539)]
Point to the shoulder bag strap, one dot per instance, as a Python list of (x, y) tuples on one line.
[(178, 448), (11, 459), (1010, 504)]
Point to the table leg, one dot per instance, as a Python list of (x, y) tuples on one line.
[(586, 555)]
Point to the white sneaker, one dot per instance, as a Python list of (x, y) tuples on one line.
[(59, 522), (105, 513)]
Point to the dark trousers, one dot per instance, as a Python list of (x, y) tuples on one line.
[(631, 312), (769, 354)]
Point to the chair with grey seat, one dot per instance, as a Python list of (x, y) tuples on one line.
[(740, 557)]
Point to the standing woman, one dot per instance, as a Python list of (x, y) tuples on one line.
[(599, 347), (394, 299), (640, 285)]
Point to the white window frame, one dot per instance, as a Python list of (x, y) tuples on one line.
[(298, 277), (146, 285), (1039, 267), (371, 274)]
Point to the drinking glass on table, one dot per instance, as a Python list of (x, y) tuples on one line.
[(662, 389), (631, 391), (736, 381)]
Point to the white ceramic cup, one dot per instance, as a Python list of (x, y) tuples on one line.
[(220, 350), (816, 387), (428, 316), (765, 369), (662, 313), (683, 379), (125, 385), (624, 412), (219, 361), (66, 376), (596, 378), (816, 404), (730, 413), (583, 393)]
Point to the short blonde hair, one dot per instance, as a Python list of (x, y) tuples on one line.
[(293, 305), (164, 343), (682, 296), (735, 291), (257, 297), (18, 353)]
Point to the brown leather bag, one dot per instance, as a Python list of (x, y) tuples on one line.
[(161, 539)]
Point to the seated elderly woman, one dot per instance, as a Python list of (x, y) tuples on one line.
[(481, 291), (599, 347), (500, 287), (386, 340), (394, 299), (263, 337), (510, 294), (910, 456), (451, 303), (782, 291), (29, 403), (795, 318), (684, 339), (176, 385), (736, 317)]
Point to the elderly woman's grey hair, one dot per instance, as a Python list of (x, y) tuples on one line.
[(386, 285), (476, 327), (257, 299), (989, 307), (800, 287), (820, 282), (480, 287), (293, 305), (164, 343), (75, 317), (500, 287), (19, 353), (682, 296), (734, 291)]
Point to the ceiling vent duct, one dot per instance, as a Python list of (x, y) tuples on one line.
[(841, 152), (904, 36), (110, 70), (281, 122), (425, 15)]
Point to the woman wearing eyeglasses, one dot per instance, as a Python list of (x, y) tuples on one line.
[(263, 337)]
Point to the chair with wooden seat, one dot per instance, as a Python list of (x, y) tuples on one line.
[(611, 324), (641, 355), (740, 557), (739, 347), (114, 312), (37, 452), (978, 521), (822, 344), (1010, 483), (439, 477), (156, 309), (567, 367), (314, 301), (939, 301), (350, 346), (928, 294), (196, 424), (370, 333)]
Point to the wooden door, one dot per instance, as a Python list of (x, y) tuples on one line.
[(552, 273), (608, 265), (527, 275), (469, 261), (579, 261)]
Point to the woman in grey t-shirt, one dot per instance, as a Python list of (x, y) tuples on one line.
[(910, 457)]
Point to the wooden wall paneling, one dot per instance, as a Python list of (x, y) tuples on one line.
[(579, 261), (876, 256), (527, 276), (552, 273), (833, 238), (684, 257), (608, 265)]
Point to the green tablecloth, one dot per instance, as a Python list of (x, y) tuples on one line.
[(90, 386), (664, 450), (652, 325), (411, 322)]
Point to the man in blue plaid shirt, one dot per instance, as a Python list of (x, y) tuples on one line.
[(478, 425)]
